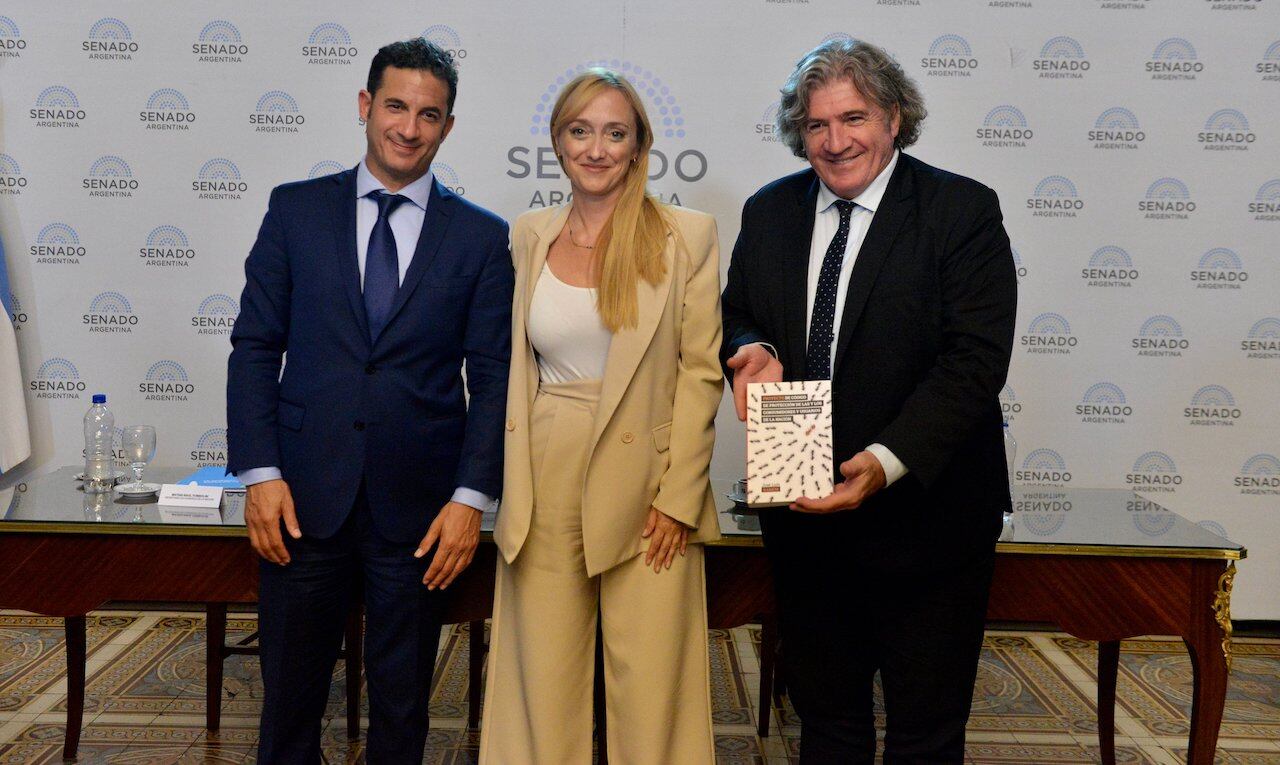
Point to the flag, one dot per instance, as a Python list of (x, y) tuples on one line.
[(15, 438)]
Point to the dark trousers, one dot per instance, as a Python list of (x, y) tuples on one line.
[(302, 610), (841, 622)]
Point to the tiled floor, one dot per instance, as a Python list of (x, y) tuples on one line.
[(1033, 703)]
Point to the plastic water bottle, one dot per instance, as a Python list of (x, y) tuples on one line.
[(1010, 455), (99, 433)]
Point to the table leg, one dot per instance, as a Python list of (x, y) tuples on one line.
[(475, 665), (74, 629), (353, 658), (1209, 643), (215, 641), (1209, 695), (1108, 668)]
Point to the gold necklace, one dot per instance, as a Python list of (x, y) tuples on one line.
[(574, 241)]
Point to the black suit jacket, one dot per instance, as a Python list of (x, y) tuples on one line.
[(923, 351)]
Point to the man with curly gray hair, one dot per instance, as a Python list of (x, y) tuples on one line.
[(895, 281)]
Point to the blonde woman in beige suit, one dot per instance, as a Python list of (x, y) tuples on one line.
[(614, 388)]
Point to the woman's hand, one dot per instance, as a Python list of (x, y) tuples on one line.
[(666, 536)]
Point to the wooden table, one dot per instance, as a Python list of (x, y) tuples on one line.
[(1100, 564)]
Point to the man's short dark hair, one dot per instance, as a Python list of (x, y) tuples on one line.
[(418, 53)]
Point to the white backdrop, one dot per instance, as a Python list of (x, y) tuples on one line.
[(1133, 145)]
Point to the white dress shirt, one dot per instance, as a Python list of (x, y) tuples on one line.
[(406, 224)]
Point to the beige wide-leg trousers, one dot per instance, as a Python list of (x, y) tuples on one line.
[(537, 703)]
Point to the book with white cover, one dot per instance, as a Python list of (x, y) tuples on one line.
[(789, 447)]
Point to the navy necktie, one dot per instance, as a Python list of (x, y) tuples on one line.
[(381, 264), (817, 361)]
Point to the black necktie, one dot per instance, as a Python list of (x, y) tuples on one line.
[(817, 362), (381, 264)]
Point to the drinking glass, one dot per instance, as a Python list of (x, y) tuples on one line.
[(139, 444)]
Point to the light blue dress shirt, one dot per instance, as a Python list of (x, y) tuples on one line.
[(406, 224)]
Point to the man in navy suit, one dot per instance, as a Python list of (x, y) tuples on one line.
[(367, 467)]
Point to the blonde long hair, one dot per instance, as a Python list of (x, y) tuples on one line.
[(633, 239)]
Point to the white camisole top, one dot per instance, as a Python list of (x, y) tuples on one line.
[(571, 341)]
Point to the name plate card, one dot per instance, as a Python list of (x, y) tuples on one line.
[(190, 495), (789, 446)]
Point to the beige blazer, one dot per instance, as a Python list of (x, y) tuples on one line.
[(655, 423)]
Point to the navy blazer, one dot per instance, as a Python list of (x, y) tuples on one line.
[(390, 413)]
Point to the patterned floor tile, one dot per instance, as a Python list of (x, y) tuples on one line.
[(1155, 684), (1020, 691), (33, 652), (1032, 703)]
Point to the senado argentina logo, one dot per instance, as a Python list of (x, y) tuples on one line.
[(1160, 337), (448, 39), (1117, 128), (1042, 512), (166, 381), (18, 316), (329, 44), (1233, 5), (1268, 67), (109, 39), (58, 244), (219, 179), (767, 127), (1213, 406), (57, 378), (167, 109), (1263, 341), (57, 107), (1213, 527), (1260, 474), (211, 448), (12, 43), (1005, 127), (216, 315), (1010, 406), (109, 176), (110, 313), (325, 167), (1055, 197), (12, 181), (1266, 203), (219, 42), (1226, 130), (1219, 269), (1104, 404), (688, 165), (1109, 266), (1167, 199), (448, 178), (1049, 333), (1174, 59), (276, 112), (1149, 518), (167, 247), (1154, 471), (1061, 58), (949, 56), (1020, 267), (1043, 466)]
